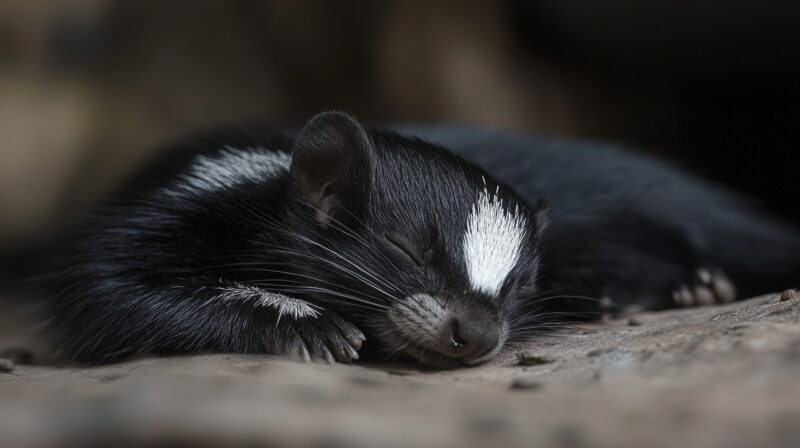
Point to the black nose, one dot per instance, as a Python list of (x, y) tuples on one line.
[(473, 335)]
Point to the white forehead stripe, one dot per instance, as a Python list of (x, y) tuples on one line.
[(233, 167), (492, 243)]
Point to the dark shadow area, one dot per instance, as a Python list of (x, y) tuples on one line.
[(90, 88)]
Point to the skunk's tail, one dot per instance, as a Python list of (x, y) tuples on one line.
[(761, 254)]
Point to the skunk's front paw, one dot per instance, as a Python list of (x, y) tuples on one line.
[(708, 286), (326, 337)]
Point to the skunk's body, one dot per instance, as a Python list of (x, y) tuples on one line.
[(621, 215), (268, 241)]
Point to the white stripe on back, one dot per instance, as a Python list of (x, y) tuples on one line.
[(232, 167), (284, 305)]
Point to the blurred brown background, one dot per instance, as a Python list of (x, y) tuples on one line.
[(89, 87)]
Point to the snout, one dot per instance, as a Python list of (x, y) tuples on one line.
[(446, 333), (470, 336)]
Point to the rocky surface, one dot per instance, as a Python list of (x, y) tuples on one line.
[(711, 376)]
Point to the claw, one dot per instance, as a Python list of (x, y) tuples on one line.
[(328, 355), (353, 353), (355, 340), (304, 352), (298, 351), (704, 275)]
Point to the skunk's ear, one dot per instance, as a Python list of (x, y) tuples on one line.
[(542, 215), (330, 165)]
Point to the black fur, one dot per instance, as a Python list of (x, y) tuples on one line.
[(364, 219), (627, 226)]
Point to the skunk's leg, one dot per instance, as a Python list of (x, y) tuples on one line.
[(95, 322), (301, 330)]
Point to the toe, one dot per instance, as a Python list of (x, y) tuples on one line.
[(350, 333), (326, 338), (342, 350), (345, 340), (723, 287), (340, 338), (683, 296), (703, 296)]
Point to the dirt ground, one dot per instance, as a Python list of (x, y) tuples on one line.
[(715, 376)]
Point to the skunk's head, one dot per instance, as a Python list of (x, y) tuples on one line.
[(430, 255)]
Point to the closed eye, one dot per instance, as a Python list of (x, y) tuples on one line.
[(406, 250)]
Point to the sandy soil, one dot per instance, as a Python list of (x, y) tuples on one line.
[(716, 376)]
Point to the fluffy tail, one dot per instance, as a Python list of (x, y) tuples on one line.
[(760, 253)]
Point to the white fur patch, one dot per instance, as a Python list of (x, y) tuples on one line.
[(419, 318), (492, 242), (233, 167), (285, 305)]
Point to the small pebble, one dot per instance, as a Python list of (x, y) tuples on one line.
[(634, 321), (523, 383), (789, 294), (18, 355), (6, 365), (530, 358)]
